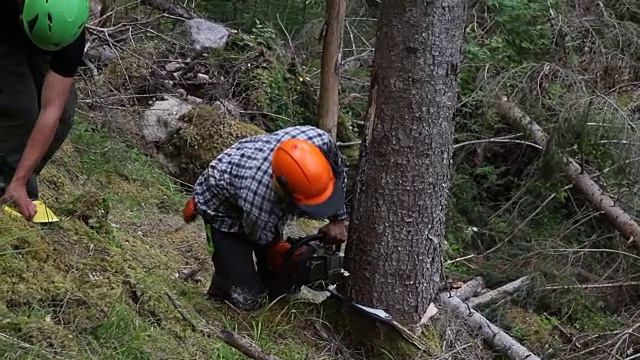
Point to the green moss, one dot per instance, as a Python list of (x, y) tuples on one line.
[(66, 289), (533, 330), (208, 131)]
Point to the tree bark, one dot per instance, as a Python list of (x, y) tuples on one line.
[(398, 216), (328, 105), (624, 223)]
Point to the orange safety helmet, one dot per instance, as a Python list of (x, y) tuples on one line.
[(301, 169)]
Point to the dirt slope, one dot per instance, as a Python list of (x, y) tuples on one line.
[(94, 285)]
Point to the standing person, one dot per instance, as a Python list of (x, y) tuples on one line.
[(41, 48), (249, 191)]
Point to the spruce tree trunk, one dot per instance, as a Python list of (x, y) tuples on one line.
[(397, 221)]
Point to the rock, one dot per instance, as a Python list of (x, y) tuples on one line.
[(95, 10), (194, 100), (162, 119), (202, 78), (173, 66), (101, 54), (205, 35), (206, 131)]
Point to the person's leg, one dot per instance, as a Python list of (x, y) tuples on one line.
[(18, 109), (235, 278)]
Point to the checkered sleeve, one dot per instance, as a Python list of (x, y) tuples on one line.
[(337, 160)]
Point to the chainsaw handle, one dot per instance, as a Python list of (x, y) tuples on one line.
[(297, 243)]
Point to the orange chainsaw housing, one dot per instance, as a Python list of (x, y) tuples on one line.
[(277, 253), (190, 212)]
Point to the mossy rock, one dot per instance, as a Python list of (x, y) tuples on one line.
[(207, 132), (131, 72)]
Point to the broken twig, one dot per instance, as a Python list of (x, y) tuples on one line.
[(590, 189), (492, 334), (245, 346), (501, 292)]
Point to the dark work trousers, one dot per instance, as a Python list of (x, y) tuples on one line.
[(236, 278), (22, 72)]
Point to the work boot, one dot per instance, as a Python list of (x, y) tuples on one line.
[(242, 298)]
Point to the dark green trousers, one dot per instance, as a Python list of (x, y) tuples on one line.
[(22, 73)]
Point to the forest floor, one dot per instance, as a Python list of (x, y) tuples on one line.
[(107, 280), (96, 284)]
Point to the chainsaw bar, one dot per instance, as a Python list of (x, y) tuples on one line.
[(383, 316)]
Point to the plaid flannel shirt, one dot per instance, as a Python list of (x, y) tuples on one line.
[(235, 192)]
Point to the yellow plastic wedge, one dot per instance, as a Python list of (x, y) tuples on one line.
[(43, 215)]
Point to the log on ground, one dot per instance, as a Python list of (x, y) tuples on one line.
[(492, 334), (499, 293), (624, 223)]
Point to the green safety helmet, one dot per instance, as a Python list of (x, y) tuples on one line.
[(54, 24)]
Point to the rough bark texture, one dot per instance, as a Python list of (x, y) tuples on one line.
[(398, 216), (622, 221), (330, 76)]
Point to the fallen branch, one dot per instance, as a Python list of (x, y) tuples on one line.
[(492, 334), (244, 345), (591, 190), (176, 10), (24, 345), (593, 286), (203, 330), (469, 289), (501, 292)]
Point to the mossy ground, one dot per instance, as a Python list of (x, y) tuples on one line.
[(95, 284)]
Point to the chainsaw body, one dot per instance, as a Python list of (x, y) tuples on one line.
[(305, 261)]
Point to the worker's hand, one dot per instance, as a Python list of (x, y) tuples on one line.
[(335, 232), (16, 195)]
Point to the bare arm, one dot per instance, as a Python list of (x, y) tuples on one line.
[(55, 92)]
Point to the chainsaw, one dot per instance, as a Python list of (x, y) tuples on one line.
[(306, 261), (294, 262)]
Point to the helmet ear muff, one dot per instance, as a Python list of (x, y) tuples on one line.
[(282, 183)]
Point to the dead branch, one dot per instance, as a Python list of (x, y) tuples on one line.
[(245, 346), (328, 103), (492, 334), (24, 345), (169, 8), (593, 286), (594, 193), (501, 292), (203, 330), (469, 289)]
